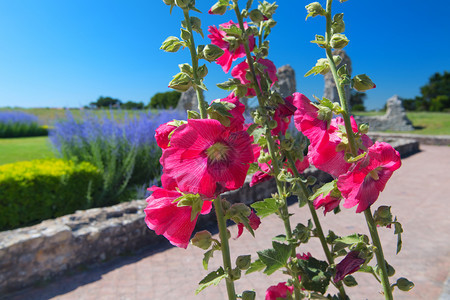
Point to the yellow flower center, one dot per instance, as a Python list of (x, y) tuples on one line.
[(217, 152), (374, 173)]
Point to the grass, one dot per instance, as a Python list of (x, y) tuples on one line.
[(21, 149), (426, 123)]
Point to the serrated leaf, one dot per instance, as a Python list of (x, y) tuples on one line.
[(212, 278), (324, 190), (314, 275), (266, 207), (258, 134), (255, 266), (206, 257), (351, 239), (275, 258)]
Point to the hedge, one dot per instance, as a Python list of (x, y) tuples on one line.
[(32, 191)]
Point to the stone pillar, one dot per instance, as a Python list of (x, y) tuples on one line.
[(286, 81), (330, 91), (188, 100)]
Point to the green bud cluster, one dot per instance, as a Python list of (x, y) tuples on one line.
[(315, 9)]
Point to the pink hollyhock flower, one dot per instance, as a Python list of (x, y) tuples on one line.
[(162, 135), (254, 222), (362, 184), (240, 72), (205, 158), (305, 256), (230, 54), (279, 291), (328, 202), (350, 264), (164, 216), (238, 120), (283, 115)]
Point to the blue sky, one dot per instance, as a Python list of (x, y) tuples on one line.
[(68, 53)]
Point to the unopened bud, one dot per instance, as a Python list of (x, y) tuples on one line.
[(315, 9), (390, 270), (350, 281), (218, 9), (338, 25), (200, 54), (404, 284), (212, 52), (202, 71), (263, 157), (181, 82), (243, 262), (248, 295), (235, 274), (169, 2), (171, 44), (362, 83), (256, 16), (324, 113), (363, 128), (273, 124), (202, 239), (183, 3), (338, 41), (287, 144)]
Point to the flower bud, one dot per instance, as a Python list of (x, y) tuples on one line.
[(185, 35), (362, 83), (338, 25), (256, 16), (363, 128), (287, 144), (324, 113), (350, 281), (169, 2), (315, 9), (218, 9), (390, 270), (264, 157), (202, 71), (181, 82), (248, 295), (171, 44), (338, 41), (235, 274), (404, 284), (273, 124), (243, 262), (212, 52), (183, 3), (200, 54), (202, 239)]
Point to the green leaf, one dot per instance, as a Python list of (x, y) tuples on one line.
[(398, 231), (255, 266), (351, 239), (324, 190), (208, 254), (279, 238), (275, 258), (229, 85), (314, 275), (249, 4), (212, 278), (222, 107), (266, 207), (258, 134)]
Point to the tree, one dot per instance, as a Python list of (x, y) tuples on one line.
[(132, 105), (106, 102), (357, 100), (165, 100)]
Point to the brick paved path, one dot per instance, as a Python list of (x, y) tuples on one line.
[(419, 193)]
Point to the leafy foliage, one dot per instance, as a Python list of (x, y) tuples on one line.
[(165, 100)]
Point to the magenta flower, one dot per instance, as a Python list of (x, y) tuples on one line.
[(350, 264), (328, 202), (205, 158), (362, 184), (279, 291), (164, 216), (253, 220), (238, 120), (231, 53), (283, 115), (162, 135), (240, 72)]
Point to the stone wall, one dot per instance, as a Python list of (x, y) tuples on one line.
[(33, 254)]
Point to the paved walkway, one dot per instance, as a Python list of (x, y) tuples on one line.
[(418, 192)]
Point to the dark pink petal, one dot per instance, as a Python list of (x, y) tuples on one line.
[(327, 202), (350, 264), (238, 120), (279, 291), (162, 135)]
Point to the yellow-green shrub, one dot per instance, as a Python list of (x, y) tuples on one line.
[(32, 191)]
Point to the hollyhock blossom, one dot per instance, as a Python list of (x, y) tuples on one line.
[(238, 120), (162, 135), (231, 53), (362, 184), (253, 220), (328, 202), (350, 264), (283, 115), (205, 158), (241, 70), (279, 291), (164, 216)]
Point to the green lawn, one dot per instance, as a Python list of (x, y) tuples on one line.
[(427, 123), (20, 149)]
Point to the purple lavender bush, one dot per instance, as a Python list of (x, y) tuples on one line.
[(19, 124), (124, 150)]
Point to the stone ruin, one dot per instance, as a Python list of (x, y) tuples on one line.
[(330, 92), (395, 118), (286, 81), (188, 100)]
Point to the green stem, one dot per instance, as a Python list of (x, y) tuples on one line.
[(201, 102), (379, 254), (351, 138), (317, 224), (223, 234), (283, 209)]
